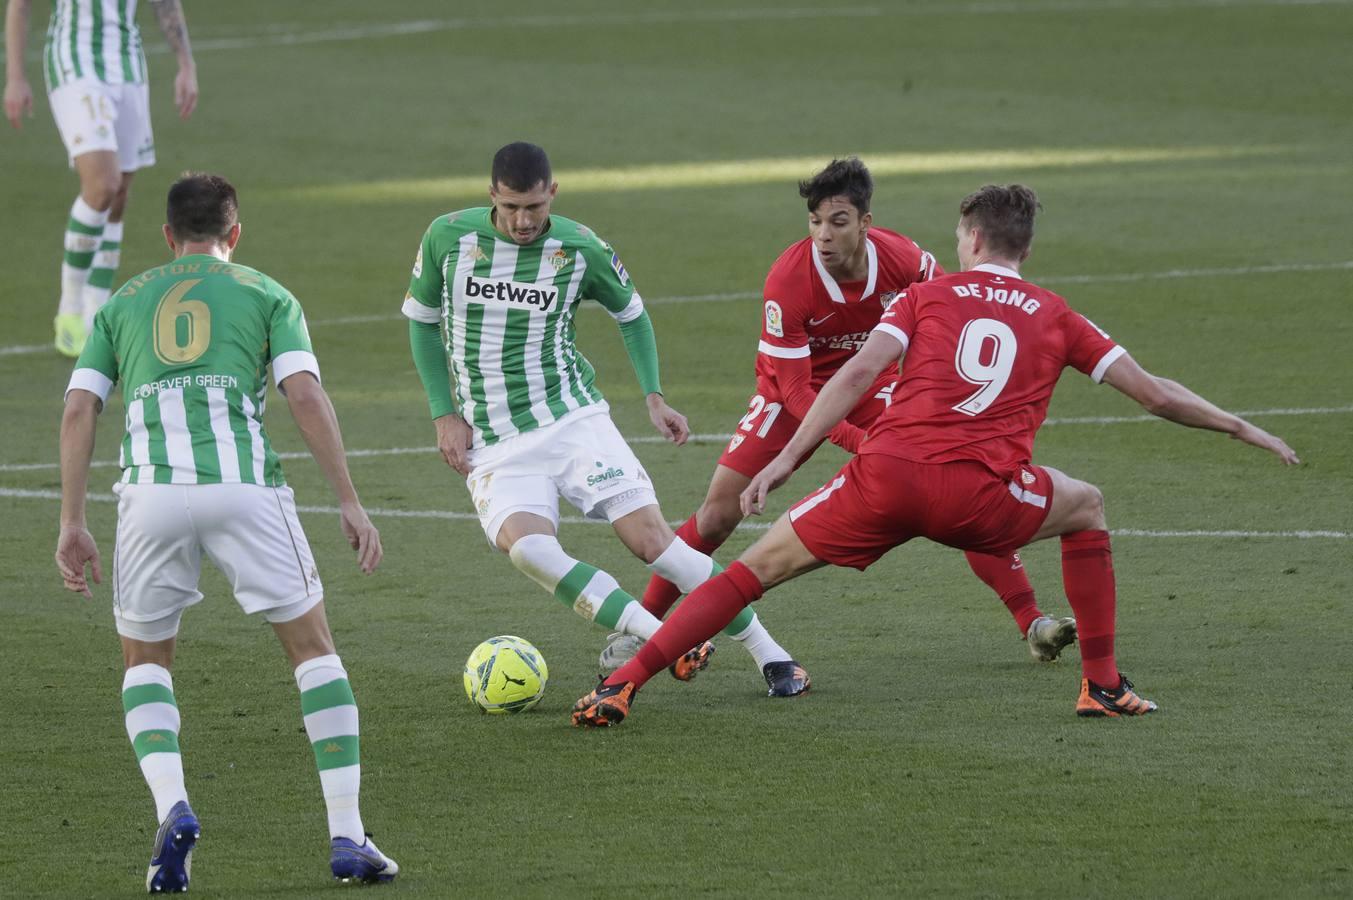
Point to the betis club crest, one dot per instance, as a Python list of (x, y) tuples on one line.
[(558, 259)]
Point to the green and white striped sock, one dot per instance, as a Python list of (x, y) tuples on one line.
[(586, 590), (331, 723), (688, 568), (84, 232), (153, 727), (102, 270)]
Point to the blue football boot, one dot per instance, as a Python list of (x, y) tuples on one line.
[(350, 861), (171, 862)]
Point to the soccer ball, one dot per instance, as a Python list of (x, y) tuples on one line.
[(505, 674)]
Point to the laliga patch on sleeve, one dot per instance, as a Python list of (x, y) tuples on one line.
[(418, 263), (619, 269), (775, 319)]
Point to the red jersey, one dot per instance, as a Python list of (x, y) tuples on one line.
[(984, 350), (812, 324)]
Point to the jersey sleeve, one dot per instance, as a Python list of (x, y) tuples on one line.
[(899, 319), (96, 369), (288, 337), (784, 329), (1088, 347), (608, 283), (423, 301)]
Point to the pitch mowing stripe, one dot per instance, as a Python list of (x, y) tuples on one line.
[(665, 176), (378, 513), (283, 36), (720, 438), (29, 349)]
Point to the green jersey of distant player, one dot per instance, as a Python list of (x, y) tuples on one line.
[(93, 39), (508, 312), (190, 343)]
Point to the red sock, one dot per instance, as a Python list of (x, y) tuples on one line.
[(661, 593), (707, 611), (1005, 575), (1087, 574)]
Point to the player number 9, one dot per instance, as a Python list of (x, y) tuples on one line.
[(990, 340)]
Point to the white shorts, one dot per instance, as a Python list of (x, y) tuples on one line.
[(582, 456), (249, 531), (92, 116)]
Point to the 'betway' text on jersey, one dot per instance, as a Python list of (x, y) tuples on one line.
[(491, 290), (507, 312)]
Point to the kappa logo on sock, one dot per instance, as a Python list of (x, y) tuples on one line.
[(155, 738), (333, 747)]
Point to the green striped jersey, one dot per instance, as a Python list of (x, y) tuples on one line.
[(507, 312), (93, 39), (191, 342)]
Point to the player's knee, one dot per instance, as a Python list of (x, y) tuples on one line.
[(101, 191), (717, 517), (650, 543), (1091, 507)]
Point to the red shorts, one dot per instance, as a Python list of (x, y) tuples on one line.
[(767, 427), (879, 502)]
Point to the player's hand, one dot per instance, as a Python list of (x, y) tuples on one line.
[(18, 100), (362, 535), (453, 440), (670, 423), (776, 473), (75, 549), (185, 91), (1260, 438)]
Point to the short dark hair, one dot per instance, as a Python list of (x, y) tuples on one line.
[(201, 207), (1005, 213), (847, 178), (521, 166)]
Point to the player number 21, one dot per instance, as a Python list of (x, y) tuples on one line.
[(182, 326), (985, 356)]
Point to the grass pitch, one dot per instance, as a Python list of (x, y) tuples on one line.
[(1167, 141)]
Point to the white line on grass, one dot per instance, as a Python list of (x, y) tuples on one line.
[(378, 513), (719, 438)]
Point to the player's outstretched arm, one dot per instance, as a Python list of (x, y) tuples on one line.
[(1171, 400), (318, 422), (75, 548), (834, 402), (18, 93), (169, 13)]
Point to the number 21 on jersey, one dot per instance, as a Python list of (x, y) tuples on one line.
[(985, 357)]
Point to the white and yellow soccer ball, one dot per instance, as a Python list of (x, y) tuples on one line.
[(505, 674)]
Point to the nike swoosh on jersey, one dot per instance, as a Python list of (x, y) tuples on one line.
[(813, 323)]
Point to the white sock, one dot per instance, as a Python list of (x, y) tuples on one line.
[(331, 723), (583, 588), (152, 718), (684, 567), (84, 232), (760, 644)]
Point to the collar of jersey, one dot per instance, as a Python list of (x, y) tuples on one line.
[(996, 270), (834, 289)]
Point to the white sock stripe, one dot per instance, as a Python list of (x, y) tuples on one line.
[(87, 215), (683, 566), (305, 672), (541, 558), (152, 717), (599, 587), (335, 721), (147, 673)]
